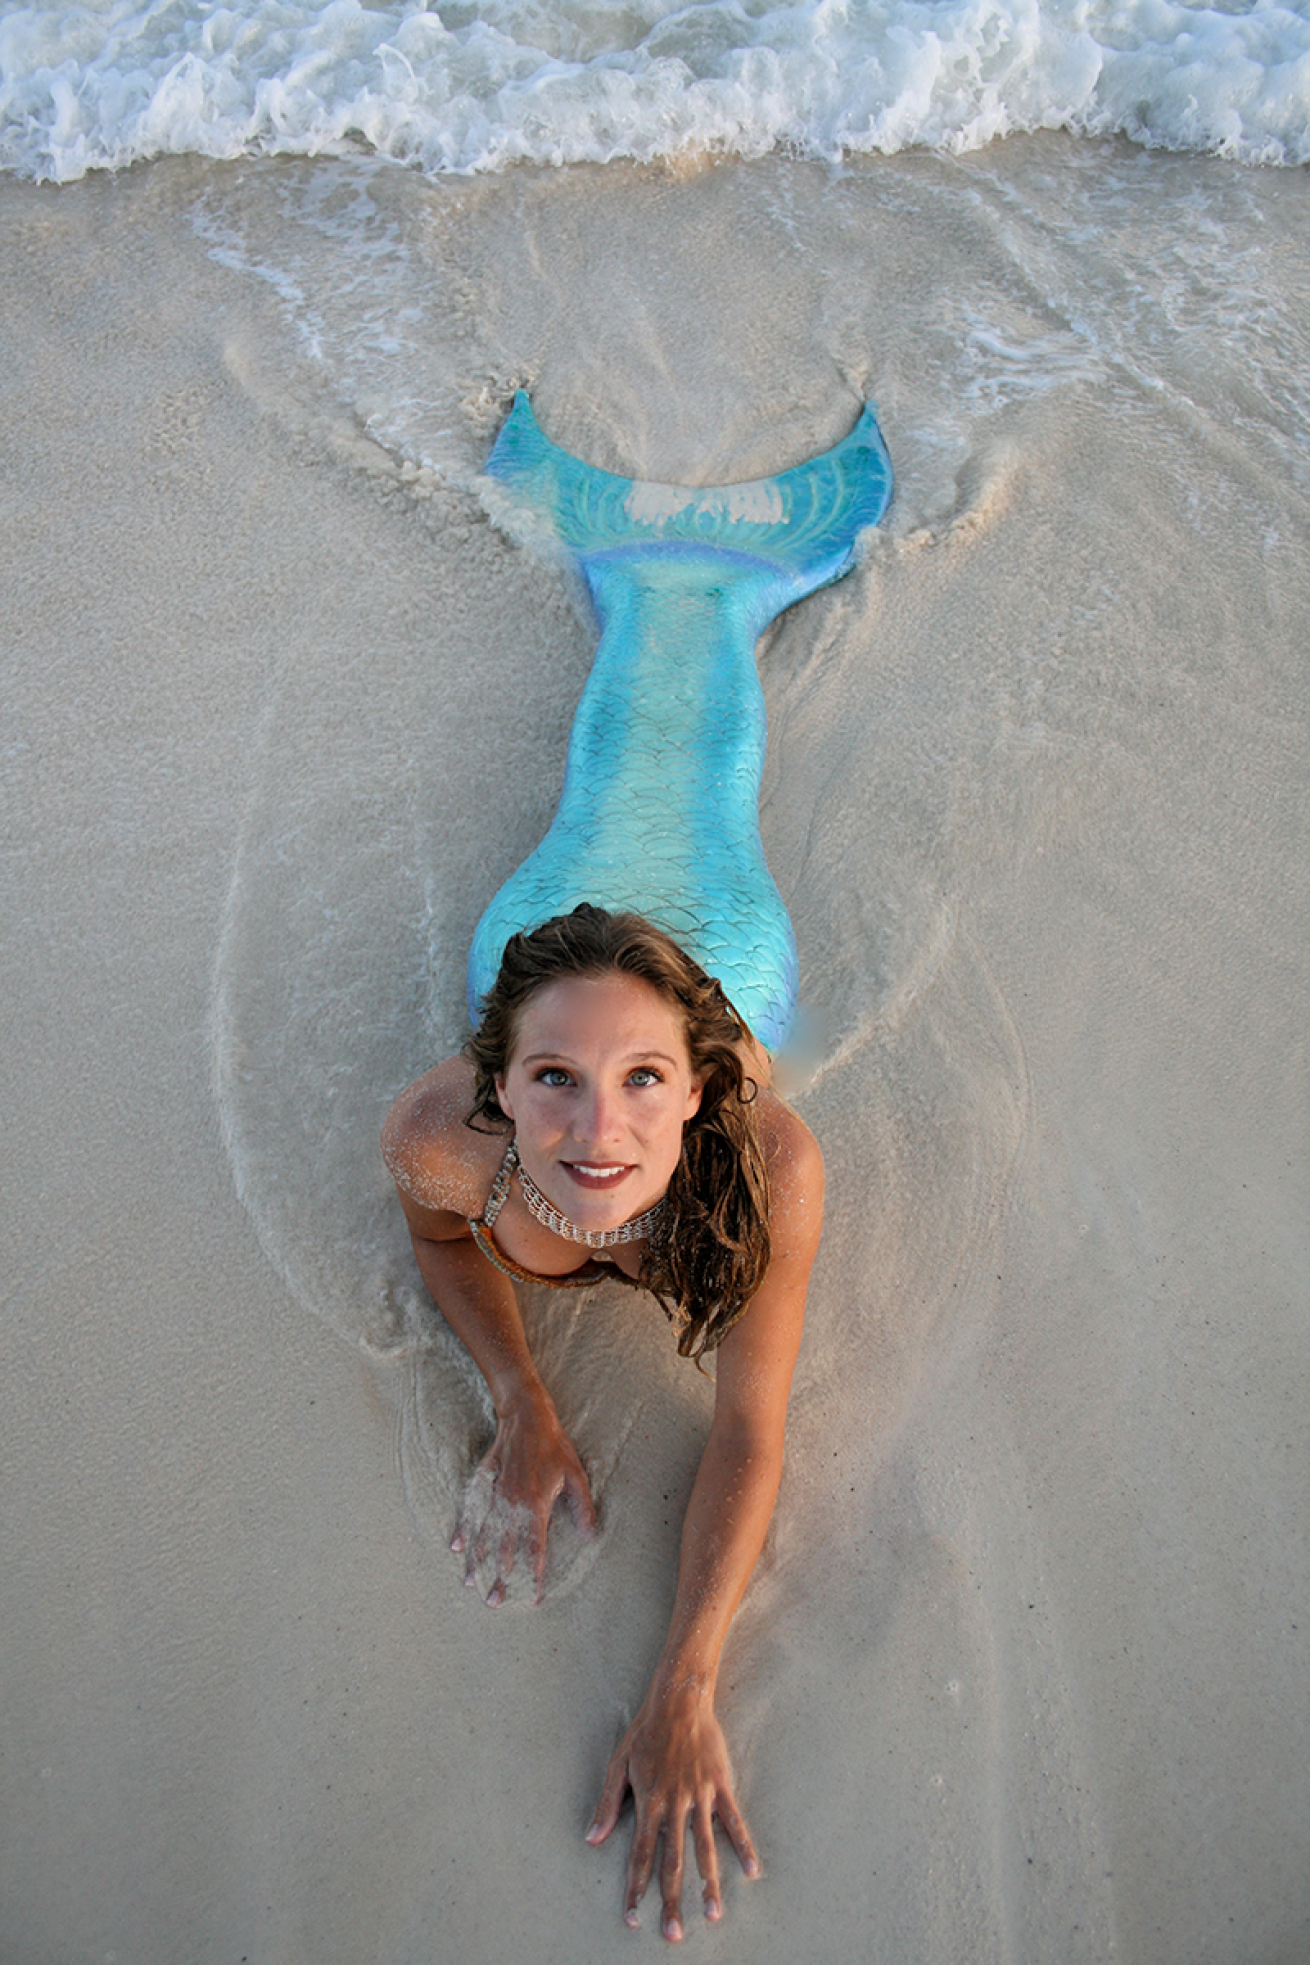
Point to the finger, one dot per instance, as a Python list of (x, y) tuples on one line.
[(459, 1541), (675, 1856), (581, 1505), (707, 1858), (641, 1862), (473, 1546), (734, 1826), (509, 1547), (466, 1529), (470, 1537), (611, 1798)]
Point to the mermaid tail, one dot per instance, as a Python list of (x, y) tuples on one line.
[(660, 808)]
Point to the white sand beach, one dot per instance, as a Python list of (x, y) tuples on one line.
[(1024, 1673)]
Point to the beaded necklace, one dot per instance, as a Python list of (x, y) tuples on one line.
[(636, 1230)]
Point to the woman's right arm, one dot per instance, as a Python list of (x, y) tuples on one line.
[(532, 1462)]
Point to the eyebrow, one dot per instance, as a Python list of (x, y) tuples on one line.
[(634, 1057)]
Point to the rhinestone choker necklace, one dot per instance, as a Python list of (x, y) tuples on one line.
[(540, 1209)]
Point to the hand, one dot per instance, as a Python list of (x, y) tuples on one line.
[(510, 1499), (675, 1759)]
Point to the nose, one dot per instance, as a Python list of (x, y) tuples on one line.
[(598, 1120)]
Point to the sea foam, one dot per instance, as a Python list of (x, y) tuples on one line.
[(446, 89)]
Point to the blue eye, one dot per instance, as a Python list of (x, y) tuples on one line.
[(553, 1075), (644, 1075)]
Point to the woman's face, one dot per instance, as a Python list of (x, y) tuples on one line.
[(599, 1087)]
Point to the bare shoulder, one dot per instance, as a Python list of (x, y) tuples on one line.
[(440, 1164), (793, 1153), (795, 1163)]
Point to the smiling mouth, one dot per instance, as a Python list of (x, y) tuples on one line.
[(588, 1174)]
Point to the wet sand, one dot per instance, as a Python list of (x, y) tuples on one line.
[(1023, 1673)]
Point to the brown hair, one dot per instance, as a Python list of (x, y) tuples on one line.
[(709, 1253)]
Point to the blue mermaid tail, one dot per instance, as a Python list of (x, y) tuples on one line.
[(660, 808)]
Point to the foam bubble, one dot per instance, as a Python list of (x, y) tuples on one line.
[(579, 81)]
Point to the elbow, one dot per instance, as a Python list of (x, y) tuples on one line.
[(402, 1132), (391, 1150), (754, 1441), (396, 1128)]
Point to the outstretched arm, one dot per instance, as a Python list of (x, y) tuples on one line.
[(531, 1462), (674, 1756)]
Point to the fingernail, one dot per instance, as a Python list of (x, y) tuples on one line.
[(593, 1833), (673, 1930), (495, 1595), (751, 1866), (713, 1909), (457, 1544), (631, 1919)]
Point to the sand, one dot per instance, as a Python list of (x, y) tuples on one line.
[(1023, 1674)]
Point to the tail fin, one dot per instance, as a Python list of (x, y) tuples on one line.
[(804, 523)]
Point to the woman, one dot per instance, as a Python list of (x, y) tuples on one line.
[(620, 1074), (612, 1114)]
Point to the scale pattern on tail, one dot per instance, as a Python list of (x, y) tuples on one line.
[(660, 807)]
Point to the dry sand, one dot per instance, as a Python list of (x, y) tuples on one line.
[(1024, 1672)]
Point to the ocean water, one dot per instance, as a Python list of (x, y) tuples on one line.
[(464, 88)]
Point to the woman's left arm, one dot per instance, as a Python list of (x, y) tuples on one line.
[(674, 1756)]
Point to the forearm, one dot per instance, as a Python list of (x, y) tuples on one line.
[(531, 1462), (727, 1519), (479, 1305), (674, 1756)]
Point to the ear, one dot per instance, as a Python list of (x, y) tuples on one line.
[(502, 1097), (693, 1099)]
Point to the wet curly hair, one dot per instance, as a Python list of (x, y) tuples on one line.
[(710, 1250)]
